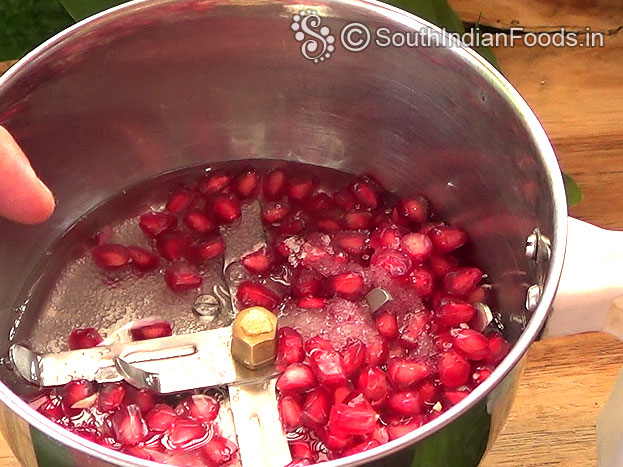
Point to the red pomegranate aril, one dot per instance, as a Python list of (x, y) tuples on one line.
[(480, 374), (275, 212), (255, 294), (289, 348), (328, 368), (297, 462), (206, 250), (301, 450), (297, 378), (185, 434), (214, 183), (417, 246), (226, 208), (447, 239), (361, 447), (396, 350), (110, 255), (341, 393), (357, 220), (377, 352), (353, 420), (258, 262), (328, 225), (380, 434), (456, 396), (441, 265), (247, 184), (317, 343), (129, 426), (386, 236), (305, 283), (202, 407), (387, 325), (348, 285), (454, 369), (179, 201), (444, 340), (160, 418), (76, 391), (197, 221), (422, 281), (397, 264), (398, 428), (173, 245), (337, 440), (219, 451), (301, 188), (294, 224), (373, 384), (498, 348), (311, 302), (358, 400), (416, 324), (181, 277), (84, 338), (405, 373), (412, 210), (274, 185), (353, 357), (345, 200), (453, 312), (144, 399), (405, 403), (136, 451), (143, 259), (429, 394), (291, 412), (151, 331), (473, 344), (156, 223), (462, 281), (110, 397), (365, 193), (318, 203), (352, 242), (316, 408)]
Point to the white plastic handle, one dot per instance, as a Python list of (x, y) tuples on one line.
[(590, 294)]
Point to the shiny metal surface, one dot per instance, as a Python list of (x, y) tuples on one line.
[(159, 85)]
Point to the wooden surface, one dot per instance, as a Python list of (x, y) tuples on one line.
[(578, 95)]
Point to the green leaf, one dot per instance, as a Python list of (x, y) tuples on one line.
[(574, 193), (80, 9), (24, 24)]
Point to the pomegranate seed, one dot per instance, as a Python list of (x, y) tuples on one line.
[(289, 348), (151, 331), (428, 392), (181, 277), (328, 368), (396, 350), (76, 391), (185, 434), (214, 183), (357, 220), (441, 265), (198, 222), (405, 403), (291, 412), (361, 447), (377, 352), (293, 224), (128, 425), (319, 203), (173, 245), (452, 312), (348, 285), (144, 399), (453, 369), (352, 242), (51, 408), (373, 383), (258, 262), (380, 434), (317, 343), (473, 344), (481, 374), (274, 184), (110, 255), (365, 194), (422, 281), (386, 236), (345, 200), (136, 451), (301, 188), (444, 340), (417, 246), (305, 283), (156, 223), (202, 407), (405, 373), (206, 250), (247, 184), (446, 239), (296, 462), (337, 440), (412, 210), (498, 348), (143, 259), (226, 208), (110, 397), (399, 428), (456, 396), (316, 408), (160, 418), (275, 212), (301, 450), (358, 400), (353, 356), (462, 281), (255, 294), (219, 451), (387, 325), (328, 225), (394, 262), (297, 378), (84, 338), (416, 324), (311, 302), (353, 420), (341, 393), (179, 201)]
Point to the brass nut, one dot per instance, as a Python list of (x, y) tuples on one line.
[(254, 341)]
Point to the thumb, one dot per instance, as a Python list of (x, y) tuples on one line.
[(23, 197)]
